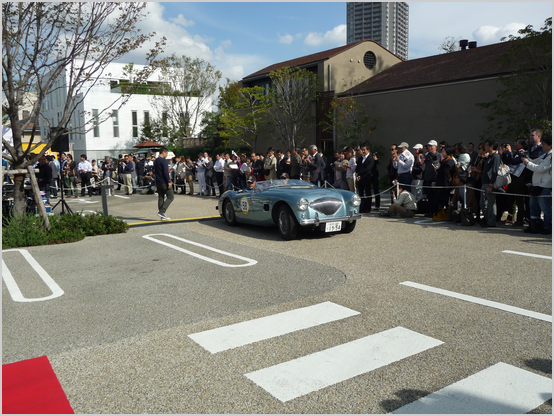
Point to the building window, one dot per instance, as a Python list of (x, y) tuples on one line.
[(146, 117), (135, 123), (115, 120), (95, 122)]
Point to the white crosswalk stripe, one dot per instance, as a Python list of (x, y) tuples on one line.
[(499, 389), (237, 335), (313, 372)]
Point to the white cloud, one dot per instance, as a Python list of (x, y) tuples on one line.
[(181, 20), (287, 39), (226, 43), (335, 36), (486, 35)]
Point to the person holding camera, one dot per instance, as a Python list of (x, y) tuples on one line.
[(541, 190), (404, 205), (514, 159)]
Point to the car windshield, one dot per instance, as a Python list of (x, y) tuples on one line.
[(279, 183)]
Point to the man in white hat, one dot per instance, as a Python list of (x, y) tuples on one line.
[(404, 162)]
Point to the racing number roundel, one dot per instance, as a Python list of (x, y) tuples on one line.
[(244, 205)]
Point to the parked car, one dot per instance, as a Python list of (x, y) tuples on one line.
[(291, 205)]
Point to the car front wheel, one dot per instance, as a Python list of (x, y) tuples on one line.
[(229, 213), (286, 223)]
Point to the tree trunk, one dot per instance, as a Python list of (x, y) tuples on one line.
[(19, 200)]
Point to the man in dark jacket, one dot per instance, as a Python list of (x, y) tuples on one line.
[(44, 177), (164, 186), (488, 197), (314, 165), (431, 164), (364, 167), (209, 173)]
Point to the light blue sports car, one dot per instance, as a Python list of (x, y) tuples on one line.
[(292, 204)]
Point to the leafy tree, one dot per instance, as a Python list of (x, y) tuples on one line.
[(228, 95), (524, 101), (244, 122), (40, 43), (212, 128), (350, 120), (450, 44), (292, 94), (190, 86)]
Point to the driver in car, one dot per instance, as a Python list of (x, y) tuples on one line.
[(250, 183)]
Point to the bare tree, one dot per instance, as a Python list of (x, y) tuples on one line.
[(293, 92), (43, 43), (450, 44), (190, 86)]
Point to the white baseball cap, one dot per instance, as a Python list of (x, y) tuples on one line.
[(418, 146), (432, 143)]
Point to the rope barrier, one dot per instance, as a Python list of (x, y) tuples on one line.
[(386, 191)]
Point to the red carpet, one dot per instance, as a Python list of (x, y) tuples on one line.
[(31, 386)]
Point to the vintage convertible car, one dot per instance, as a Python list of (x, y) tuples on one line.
[(292, 204)]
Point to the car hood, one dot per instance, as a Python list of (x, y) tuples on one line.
[(308, 193)]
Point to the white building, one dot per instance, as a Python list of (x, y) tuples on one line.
[(384, 22), (119, 133)]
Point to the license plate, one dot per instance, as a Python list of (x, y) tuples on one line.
[(332, 226)]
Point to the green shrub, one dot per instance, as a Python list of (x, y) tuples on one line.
[(30, 230), (24, 231)]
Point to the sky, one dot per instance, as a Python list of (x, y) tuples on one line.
[(240, 38)]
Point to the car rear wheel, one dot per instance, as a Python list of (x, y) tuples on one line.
[(286, 223), (229, 213), (348, 227)]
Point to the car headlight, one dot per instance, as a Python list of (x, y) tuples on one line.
[(356, 200), (303, 204)]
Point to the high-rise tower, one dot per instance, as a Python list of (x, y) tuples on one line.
[(385, 23)]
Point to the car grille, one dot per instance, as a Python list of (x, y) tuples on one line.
[(327, 206)]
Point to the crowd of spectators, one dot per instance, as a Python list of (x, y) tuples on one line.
[(431, 177)]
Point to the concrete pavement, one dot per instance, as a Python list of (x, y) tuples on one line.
[(119, 338)]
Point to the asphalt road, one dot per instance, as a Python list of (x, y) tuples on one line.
[(119, 337)]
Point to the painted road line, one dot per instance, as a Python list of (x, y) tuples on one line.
[(527, 254), (484, 302), (313, 372), (428, 222), (14, 290), (237, 335), (500, 389), (85, 201), (174, 220), (121, 196), (249, 262)]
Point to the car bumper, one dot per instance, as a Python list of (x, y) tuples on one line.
[(316, 221)]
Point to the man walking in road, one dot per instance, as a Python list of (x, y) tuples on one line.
[(164, 185)]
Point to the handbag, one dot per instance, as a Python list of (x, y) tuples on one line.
[(77, 178), (503, 177), (467, 217), (442, 215)]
